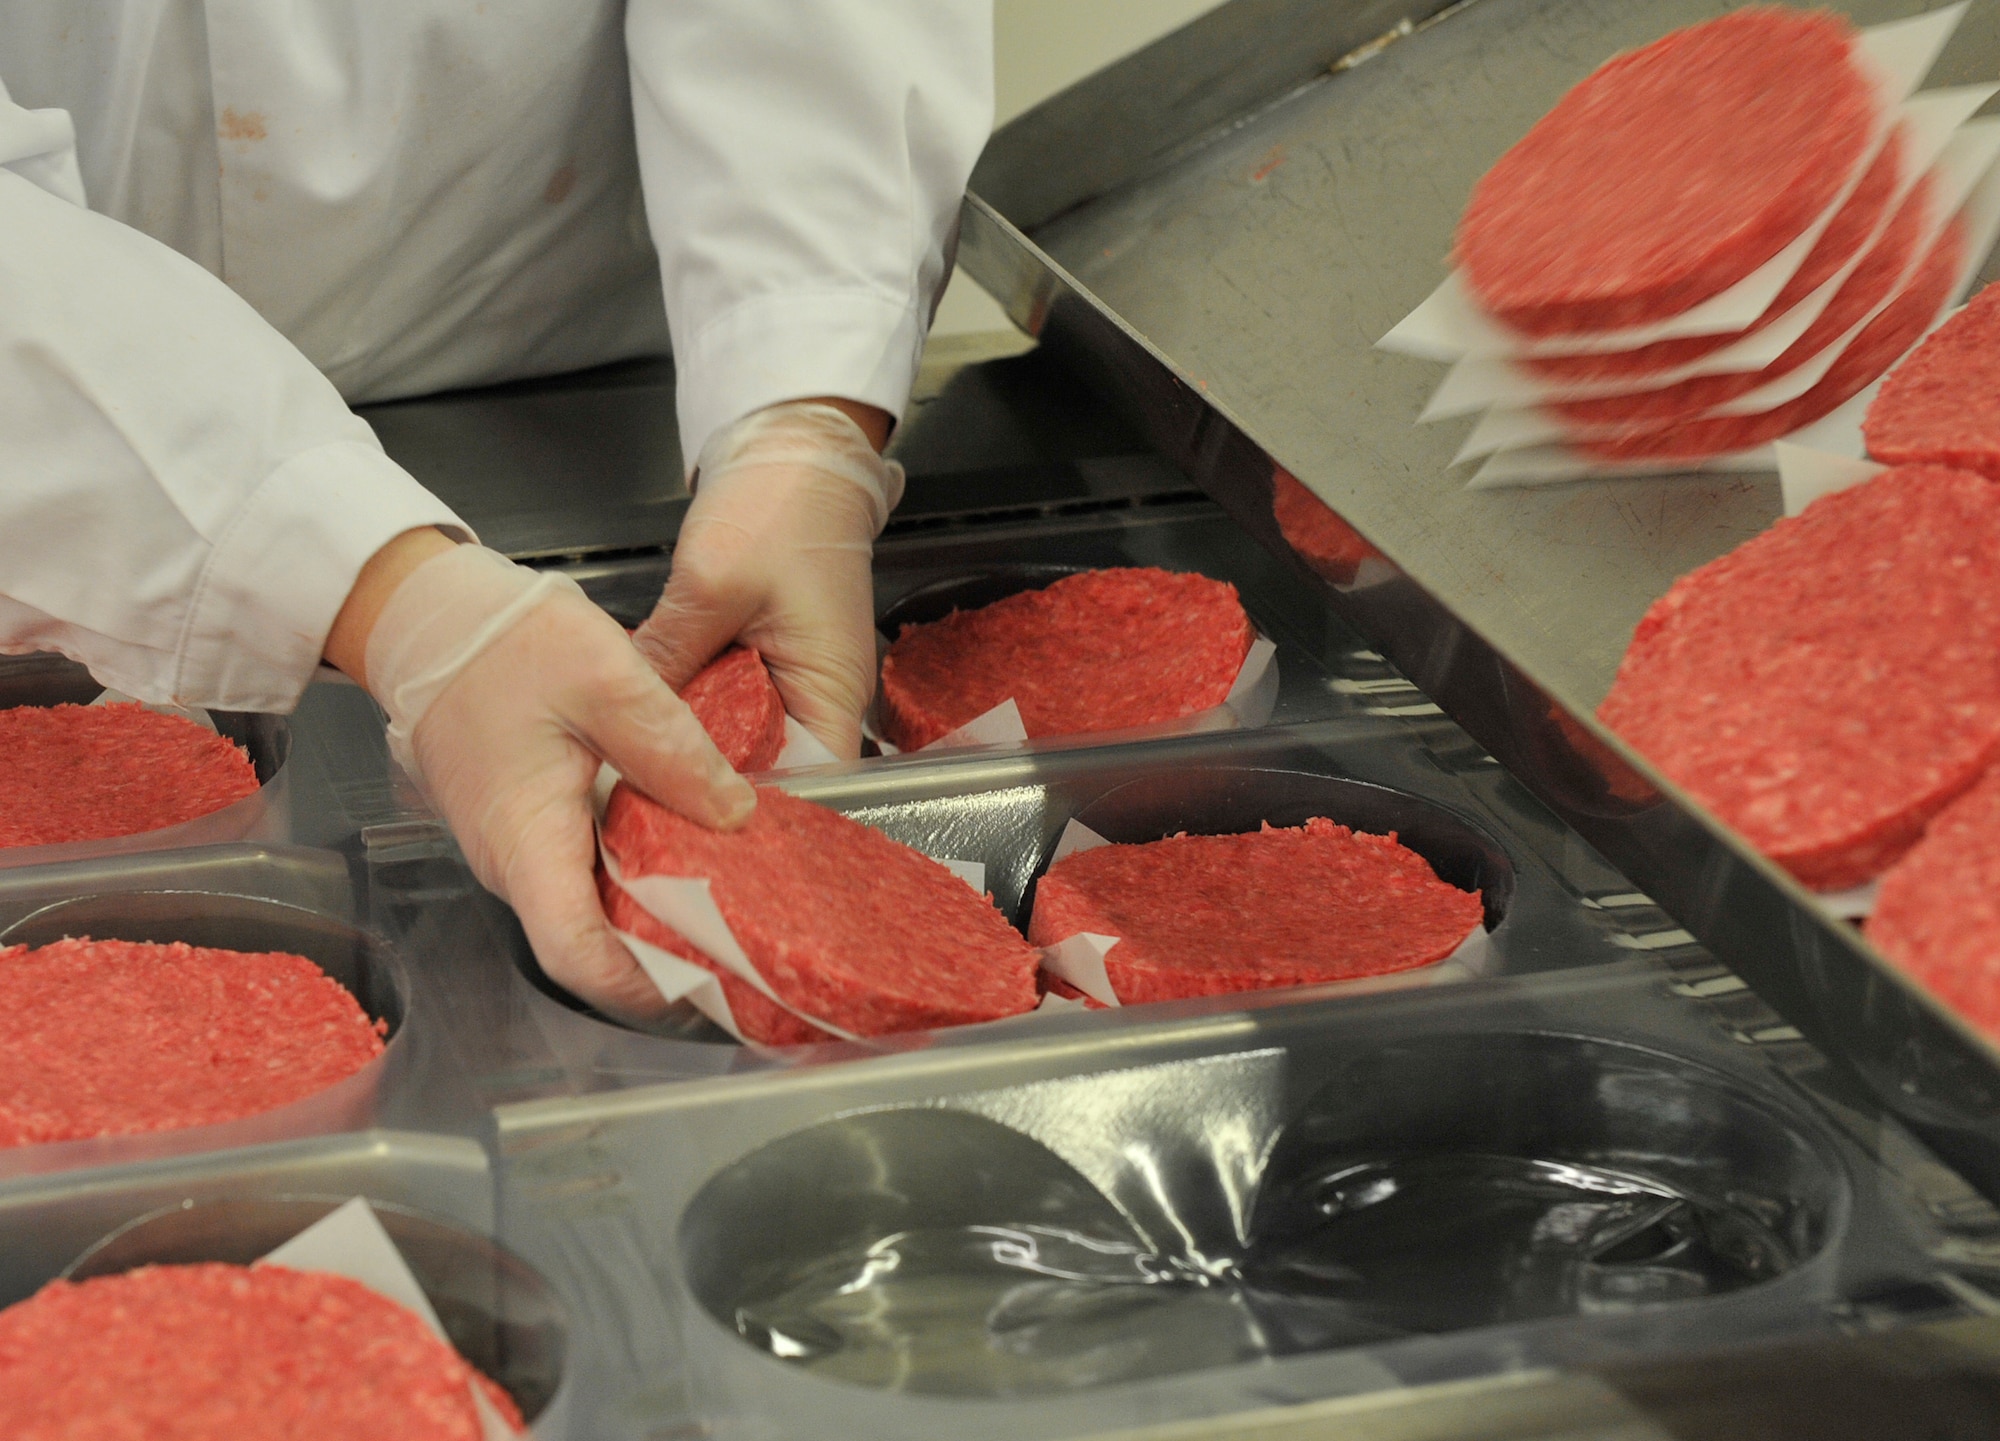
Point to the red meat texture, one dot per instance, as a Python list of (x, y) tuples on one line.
[(1322, 539), (845, 924), (1827, 687), (263, 1353), (1105, 650), (1872, 282), (110, 1038), (1211, 915), (1670, 173), (1938, 912), (1942, 405), (1845, 234), (83, 773), (737, 704), (1880, 343)]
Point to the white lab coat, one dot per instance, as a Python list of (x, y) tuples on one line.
[(417, 194)]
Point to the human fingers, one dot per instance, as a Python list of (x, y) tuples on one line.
[(712, 593), (551, 885), (649, 736), (821, 650)]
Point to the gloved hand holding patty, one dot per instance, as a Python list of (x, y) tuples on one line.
[(775, 552), (505, 689)]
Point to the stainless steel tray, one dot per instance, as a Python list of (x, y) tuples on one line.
[(1263, 194)]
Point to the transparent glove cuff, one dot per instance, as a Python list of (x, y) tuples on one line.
[(444, 614), (806, 434)]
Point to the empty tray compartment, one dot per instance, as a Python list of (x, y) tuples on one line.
[(1151, 1223)]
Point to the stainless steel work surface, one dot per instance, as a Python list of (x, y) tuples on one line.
[(1264, 260), (590, 462), (1264, 194)]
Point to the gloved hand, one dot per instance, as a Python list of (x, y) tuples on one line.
[(504, 687), (775, 552)]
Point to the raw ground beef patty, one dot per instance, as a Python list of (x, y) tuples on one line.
[(1322, 539), (83, 773), (1877, 346), (1104, 650), (740, 708), (256, 1353), (1938, 912), (1870, 283), (1670, 173), (109, 1038), (1208, 915), (1942, 405), (844, 923), (1851, 227), (1829, 685)]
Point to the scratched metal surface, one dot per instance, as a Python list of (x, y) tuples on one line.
[(1264, 263)]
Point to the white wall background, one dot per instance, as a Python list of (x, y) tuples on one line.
[(1042, 46)]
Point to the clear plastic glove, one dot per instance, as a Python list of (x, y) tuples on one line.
[(775, 552), (504, 688)]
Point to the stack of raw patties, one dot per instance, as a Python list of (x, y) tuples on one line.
[(1717, 240)]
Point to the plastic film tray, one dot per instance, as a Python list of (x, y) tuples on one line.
[(606, 1136), (1040, 1239)]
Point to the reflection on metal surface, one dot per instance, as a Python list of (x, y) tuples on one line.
[(996, 1310), (1429, 1187), (1439, 1243)]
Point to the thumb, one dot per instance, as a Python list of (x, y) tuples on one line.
[(691, 624)]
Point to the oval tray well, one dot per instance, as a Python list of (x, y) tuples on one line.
[(360, 962), (498, 1311)]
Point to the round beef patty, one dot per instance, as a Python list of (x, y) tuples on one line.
[(253, 1353), (1210, 915), (1860, 296), (1938, 912), (845, 924), (110, 1038), (1105, 650), (1942, 405), (85, 773), (1669, 173), (738, 705), (1851, 227), (1880, 343), (1828, 686)]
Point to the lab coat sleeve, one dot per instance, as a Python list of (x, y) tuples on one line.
[(803, 166), (184, 500)]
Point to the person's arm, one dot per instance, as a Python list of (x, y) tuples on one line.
[(803, 167), (184, 501), (188, 508)]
